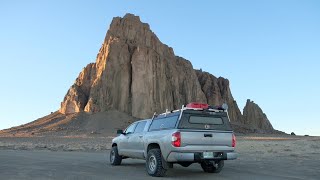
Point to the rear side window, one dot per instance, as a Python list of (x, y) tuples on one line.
[(205, 120), (140, 127), (164, 123)]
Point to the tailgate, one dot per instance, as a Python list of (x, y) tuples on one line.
[(206, 138)]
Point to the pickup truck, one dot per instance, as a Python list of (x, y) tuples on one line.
[(197, 133)]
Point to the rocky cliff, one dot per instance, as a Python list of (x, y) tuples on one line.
[(254, 116), (217, 91), (137, 74), (134, 73)]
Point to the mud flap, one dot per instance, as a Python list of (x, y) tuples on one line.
[(165, 164)]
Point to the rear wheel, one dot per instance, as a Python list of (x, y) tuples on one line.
[(154, 163), (212, 167), (115, 159)]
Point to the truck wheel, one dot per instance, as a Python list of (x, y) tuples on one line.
[(209, 167), (115, 159), (154, 163)]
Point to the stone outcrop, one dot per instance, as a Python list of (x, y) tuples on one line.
[(137, 74), (77, 96), (134, 73), (255, 118), (217, 91)]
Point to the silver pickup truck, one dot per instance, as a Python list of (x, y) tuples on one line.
[(197, 133)]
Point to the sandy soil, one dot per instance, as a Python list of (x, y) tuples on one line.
[(101, 124), (66, 143), (255, 146), (273, 147), (260, 157)]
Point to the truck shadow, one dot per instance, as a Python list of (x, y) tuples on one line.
[(177, 172), (136, 165)]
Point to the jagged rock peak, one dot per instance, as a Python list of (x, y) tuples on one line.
[(137, 74), (134, 32), (256, 118), (217, 92), (134, 73)]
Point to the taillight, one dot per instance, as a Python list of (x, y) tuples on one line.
[(176, 139), (234, 141)]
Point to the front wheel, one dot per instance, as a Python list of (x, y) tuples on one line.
[(212, 167), (154, 163), (115, 159)]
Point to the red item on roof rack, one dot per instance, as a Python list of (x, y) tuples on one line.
[(197, 105)]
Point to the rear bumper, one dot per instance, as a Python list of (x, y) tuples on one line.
[(197, 157)]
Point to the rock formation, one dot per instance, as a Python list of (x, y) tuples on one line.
[(134, 73), (137, 74), (217, 91), (254, 116)]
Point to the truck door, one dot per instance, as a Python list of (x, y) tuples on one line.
[(124, 146), (135, 142)]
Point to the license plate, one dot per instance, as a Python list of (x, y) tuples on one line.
[(207, 155)]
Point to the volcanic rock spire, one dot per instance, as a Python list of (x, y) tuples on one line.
[(137, 74)]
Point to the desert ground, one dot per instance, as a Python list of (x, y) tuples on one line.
[(86, 157)]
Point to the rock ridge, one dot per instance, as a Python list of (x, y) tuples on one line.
[(137, 74)]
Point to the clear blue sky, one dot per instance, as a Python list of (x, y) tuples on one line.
[(269, 50)]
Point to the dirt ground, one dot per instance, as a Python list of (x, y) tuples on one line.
[(260, 157), (255, 145)]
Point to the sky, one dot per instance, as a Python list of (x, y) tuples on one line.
[(268, 49)]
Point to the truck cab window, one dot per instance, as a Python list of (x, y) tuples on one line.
[(131, 128), (140, 127)]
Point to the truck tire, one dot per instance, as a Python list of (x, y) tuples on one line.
[(210, 168), (154, 163), (115, 159)]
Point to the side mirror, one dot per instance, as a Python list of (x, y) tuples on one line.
[(119, 131)]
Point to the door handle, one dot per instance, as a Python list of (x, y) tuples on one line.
[(207, 135)]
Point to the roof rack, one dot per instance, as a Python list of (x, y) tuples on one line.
[(196, 107)]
